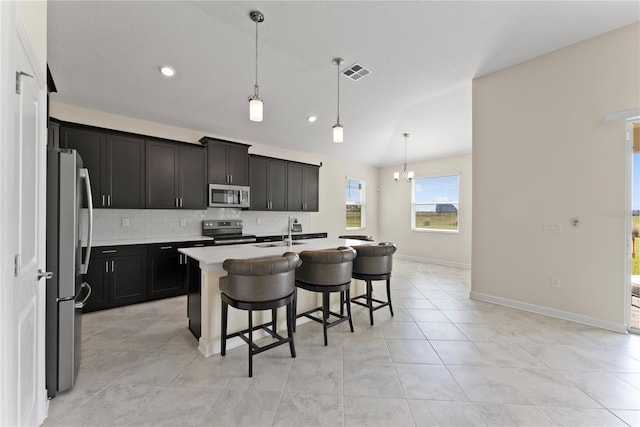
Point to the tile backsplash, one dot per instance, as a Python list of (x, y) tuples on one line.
[(119, 224)]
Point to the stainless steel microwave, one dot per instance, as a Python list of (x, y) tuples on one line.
[(228, 196)]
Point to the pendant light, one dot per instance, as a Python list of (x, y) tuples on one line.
[(255, 103), (338, 130), (408, 176)]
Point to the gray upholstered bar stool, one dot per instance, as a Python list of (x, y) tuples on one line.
[(374, 262), (259, 284), (326, 271)]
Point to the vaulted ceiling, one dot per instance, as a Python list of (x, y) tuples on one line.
[(105, 55)]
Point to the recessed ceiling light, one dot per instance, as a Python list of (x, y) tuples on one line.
[(168, 71), (312, 119)]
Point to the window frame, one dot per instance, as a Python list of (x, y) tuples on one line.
[(362, 204), (413, 204)]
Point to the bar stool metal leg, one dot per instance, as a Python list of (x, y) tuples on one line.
[(223, 341)]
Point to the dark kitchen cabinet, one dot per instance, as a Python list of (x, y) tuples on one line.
[(115, 162), (227, 162), (302, 187), (117, 276), (89, 145), (167, 269), (176, 175), (268, 181)]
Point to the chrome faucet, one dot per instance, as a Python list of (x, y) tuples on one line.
[(290, 222)]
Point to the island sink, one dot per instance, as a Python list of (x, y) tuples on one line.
[(277, 244)]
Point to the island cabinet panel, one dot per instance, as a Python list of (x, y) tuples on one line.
[(227, 162), (194, 299), (176, 175), (116, 165), (302, 187), (268, 181), (117, 276)]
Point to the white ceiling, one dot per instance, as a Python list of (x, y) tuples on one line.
[(105, 55)]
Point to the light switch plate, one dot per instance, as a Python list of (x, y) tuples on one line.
[(125, 222)]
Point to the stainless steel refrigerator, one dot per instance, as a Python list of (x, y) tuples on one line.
[(68, 187)]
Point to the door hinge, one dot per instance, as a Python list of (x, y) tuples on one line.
[(19, 75), (16, 265)]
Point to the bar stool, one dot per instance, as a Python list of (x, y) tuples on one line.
[(259, 284), (326, 271), (373, 262)]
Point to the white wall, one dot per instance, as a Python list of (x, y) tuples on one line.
[(331, 218), (395, 214), (542, 153), (34, 18)]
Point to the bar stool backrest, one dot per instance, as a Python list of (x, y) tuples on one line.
[(260, 279), (327, 266), (374, 259)]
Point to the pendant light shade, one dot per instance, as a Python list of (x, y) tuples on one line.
[(255, 103), (407, 175), (255, 109), (338, 133), (338, 130)]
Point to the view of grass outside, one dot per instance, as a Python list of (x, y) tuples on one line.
[(437, 221), (354, 216), (435, 204), (355, 198)]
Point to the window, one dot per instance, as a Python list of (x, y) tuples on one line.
[(355, 197), (434, 203)]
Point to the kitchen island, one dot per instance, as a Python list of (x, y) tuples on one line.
[(204, 271)]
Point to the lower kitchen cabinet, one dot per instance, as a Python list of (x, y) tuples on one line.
[(117, 276), (167, 269), (122, 275)]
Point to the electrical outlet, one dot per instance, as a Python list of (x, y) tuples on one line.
[(183, 222), (125, 222), (258, 221), (555, 282), (552, 227)]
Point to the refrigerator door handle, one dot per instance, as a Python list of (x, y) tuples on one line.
[(84, 300), (84, 173)]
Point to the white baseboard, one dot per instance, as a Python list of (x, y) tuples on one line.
[(434, 261), (551, 312)]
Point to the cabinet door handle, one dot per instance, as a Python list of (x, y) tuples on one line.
[(106, 266), (181, 201), (103, 200), (230, 179), (109, 200), (113, 266), (166, 247), (111, 251), (198, 244)]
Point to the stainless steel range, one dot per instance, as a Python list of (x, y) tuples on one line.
[(226, 232)]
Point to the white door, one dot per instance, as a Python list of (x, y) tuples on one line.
[(23, 171)]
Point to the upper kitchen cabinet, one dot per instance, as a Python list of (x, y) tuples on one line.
[(116, 164), (228, 162), (302, 187), (176, 175), (268, 182)]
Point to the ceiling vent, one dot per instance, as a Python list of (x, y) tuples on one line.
[(356, 72)]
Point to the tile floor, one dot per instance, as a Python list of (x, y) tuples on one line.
[(443, 360)]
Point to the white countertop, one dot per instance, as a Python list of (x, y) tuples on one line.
[(212, 257)]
